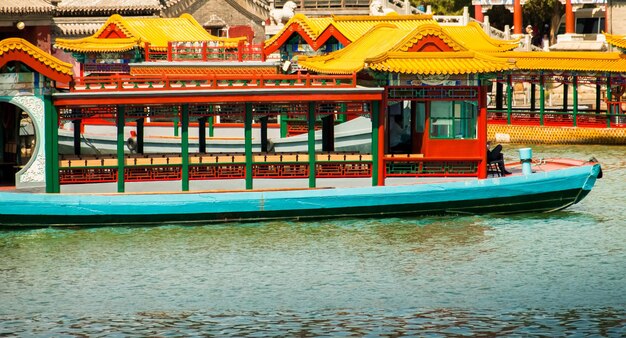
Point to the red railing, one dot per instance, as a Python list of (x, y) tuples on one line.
[(122, 82), (206, 51)]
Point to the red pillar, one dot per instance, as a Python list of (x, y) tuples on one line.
[(478, 13), (517, 17), (569, 18)]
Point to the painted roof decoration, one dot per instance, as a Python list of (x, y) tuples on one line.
[(568, 61), (425, 49), (25, 6), (618, 41), (22, 50), (120, 34), (345, 29)]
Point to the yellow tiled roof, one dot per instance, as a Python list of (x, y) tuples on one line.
[(50, 61), (157, 31), (571, 61), (618, 41), (472, 37), (430, 63), (351, 59), (352, 27), (385, 47)]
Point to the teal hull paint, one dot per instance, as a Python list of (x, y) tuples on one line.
[(538, 192)]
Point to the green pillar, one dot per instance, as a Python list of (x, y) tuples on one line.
[(375, 126), (509, 98), (248, 146), (51, 148), (542, 97), (311, 144), (184, 143), (575, 98), (176, 126), (283, 125), (211, 122), (120, 121)]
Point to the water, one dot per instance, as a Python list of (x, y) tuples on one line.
[(557, 274)]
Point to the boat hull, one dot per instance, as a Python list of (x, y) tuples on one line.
[(538, 192)]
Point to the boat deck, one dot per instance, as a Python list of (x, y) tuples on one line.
[(538, 166)]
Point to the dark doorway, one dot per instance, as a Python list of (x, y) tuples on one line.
[(17, 141)]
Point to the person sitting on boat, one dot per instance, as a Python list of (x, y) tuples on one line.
[(398, 136), (131, 143), (495, 155)]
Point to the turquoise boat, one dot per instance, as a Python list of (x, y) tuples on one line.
[(554, 185), (422, 151)]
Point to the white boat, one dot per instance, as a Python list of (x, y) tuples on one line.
[(353, 136)]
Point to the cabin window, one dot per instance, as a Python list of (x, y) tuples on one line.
[(453, 119)]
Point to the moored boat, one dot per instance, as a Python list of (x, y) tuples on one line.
[(420, 138), (554, 185)]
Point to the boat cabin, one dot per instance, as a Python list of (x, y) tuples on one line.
[(398, 103)]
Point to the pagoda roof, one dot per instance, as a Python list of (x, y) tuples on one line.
[(345, 29), (26, 7), (426, 49), (120, 34)]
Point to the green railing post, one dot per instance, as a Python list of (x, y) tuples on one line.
[(311, 143), (248, 145), (542, 98), (375, 126), (575, 98), (509, 99), (184, 144), (120, 123)]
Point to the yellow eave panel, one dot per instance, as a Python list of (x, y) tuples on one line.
[(568, 61), (431, 63)]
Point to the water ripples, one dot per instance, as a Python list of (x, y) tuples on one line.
[(331, 323), (556, 274)]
